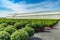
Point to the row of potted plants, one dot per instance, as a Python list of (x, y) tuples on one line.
[(41, 26), (11, 32), (37, 24)]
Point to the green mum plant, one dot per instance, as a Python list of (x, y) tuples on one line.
[(4, 35), (29, 30), (19, 25), (10, 29), (2, 27), (19, 35)]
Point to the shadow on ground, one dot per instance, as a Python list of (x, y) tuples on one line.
[(55, 28), (44, 32), (34, 38)]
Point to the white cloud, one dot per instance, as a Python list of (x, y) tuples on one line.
[(16, 7), (25, 8)]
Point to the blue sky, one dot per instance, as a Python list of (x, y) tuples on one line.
[(27, 6)]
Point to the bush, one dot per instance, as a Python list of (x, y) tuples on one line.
[(4, 35), (32, 25), (29, 30), (19, 25), (19, 35), (10, 22), (4, 24), (11, 26), (41, 26), (2, 27), (10, 29)]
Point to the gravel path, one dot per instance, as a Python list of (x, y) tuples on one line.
[(53, 35)]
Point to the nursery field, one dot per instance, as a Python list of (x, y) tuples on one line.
[(22, 29)]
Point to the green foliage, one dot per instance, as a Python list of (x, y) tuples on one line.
[(2, 27), (10, 22), (35, 25), (19, 35), (4, 24), (4, 35), (29, 30), (10, 29), (30, 25), (19, 25), (21, 29), (41, 26)]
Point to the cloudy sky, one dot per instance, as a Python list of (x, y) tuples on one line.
[(27, 6)]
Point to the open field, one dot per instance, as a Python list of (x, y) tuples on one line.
[(24, 29)]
